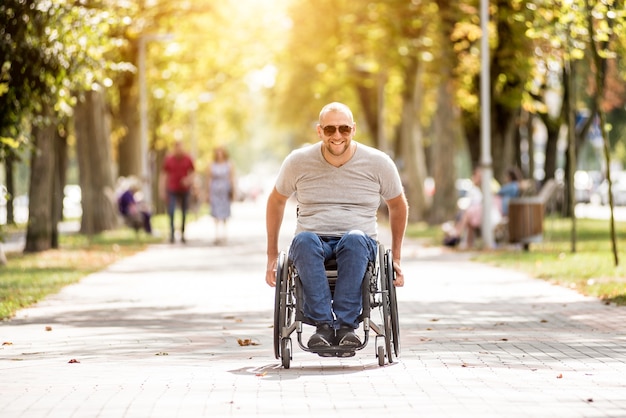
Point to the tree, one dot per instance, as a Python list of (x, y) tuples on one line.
[(604, 28), (94, 159), (446, 120)]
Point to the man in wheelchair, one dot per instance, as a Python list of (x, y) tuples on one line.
[(338, 184)]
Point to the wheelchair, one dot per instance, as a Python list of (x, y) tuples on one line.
[(378, 291)]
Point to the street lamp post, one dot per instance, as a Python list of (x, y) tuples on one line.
[(485, 106), (143, 112)]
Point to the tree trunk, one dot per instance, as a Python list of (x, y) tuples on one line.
[(443, 152), (94, 163), (39, 230), (10, 185), (60, 143), (503, 140), (412, 149), (367, 92), (446, 124), (129, 146)]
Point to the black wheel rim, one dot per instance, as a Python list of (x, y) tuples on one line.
[(393, 304), (385, 306), (277, 305)]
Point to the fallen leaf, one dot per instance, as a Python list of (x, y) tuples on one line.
[(7, 343), (246, 342), (48, 328), (560, 376), (504, 339), (543, 321), (73, 361)]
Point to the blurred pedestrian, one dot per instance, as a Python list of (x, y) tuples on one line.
[(177, 175), (510, 189), (469, 221), (221, 191), (132, 207)]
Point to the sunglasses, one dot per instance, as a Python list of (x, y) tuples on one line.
[(331, 129)]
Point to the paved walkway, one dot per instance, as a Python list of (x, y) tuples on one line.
[(156, 335)]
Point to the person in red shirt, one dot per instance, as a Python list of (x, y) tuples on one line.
[(175, 185)]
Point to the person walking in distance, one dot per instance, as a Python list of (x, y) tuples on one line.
[(175, 184), (221, 183)]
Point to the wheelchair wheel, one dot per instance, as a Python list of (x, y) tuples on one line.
[(385, 305), (283, 309), (393, 303), (285, 352), (380, 353)]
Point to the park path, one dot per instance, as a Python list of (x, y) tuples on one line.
[(156, 335)]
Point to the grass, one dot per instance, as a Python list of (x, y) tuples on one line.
[(28, 278), (590, 269)]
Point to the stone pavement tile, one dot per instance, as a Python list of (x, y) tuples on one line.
[(157, 336)]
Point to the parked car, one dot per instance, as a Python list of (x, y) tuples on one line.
[(618, 188)]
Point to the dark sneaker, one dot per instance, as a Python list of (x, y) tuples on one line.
[(347, 338), (323, 337)]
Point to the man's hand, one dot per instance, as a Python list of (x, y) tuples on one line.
[(270, 273), (399, 280)]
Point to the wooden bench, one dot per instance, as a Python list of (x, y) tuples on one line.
[(525, 220)]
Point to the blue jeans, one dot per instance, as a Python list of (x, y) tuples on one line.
[(353, 252), (172, 199)]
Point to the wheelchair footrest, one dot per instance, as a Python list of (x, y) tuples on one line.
[(334, 351)]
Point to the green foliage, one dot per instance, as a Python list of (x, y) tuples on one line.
[(49, 50)]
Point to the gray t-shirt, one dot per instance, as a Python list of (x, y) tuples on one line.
[(335, 200)]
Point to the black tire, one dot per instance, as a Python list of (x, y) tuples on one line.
[(385, 302), (393, 304), (286, 352), (279, 305)]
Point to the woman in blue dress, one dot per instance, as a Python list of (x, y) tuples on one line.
[(221, 183)]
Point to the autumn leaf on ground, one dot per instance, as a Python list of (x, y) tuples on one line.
[(48, 328), (7, 343), (73, 361), (247, 341)]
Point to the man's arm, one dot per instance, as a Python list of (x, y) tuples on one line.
[(398, 215), (273, 220)]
